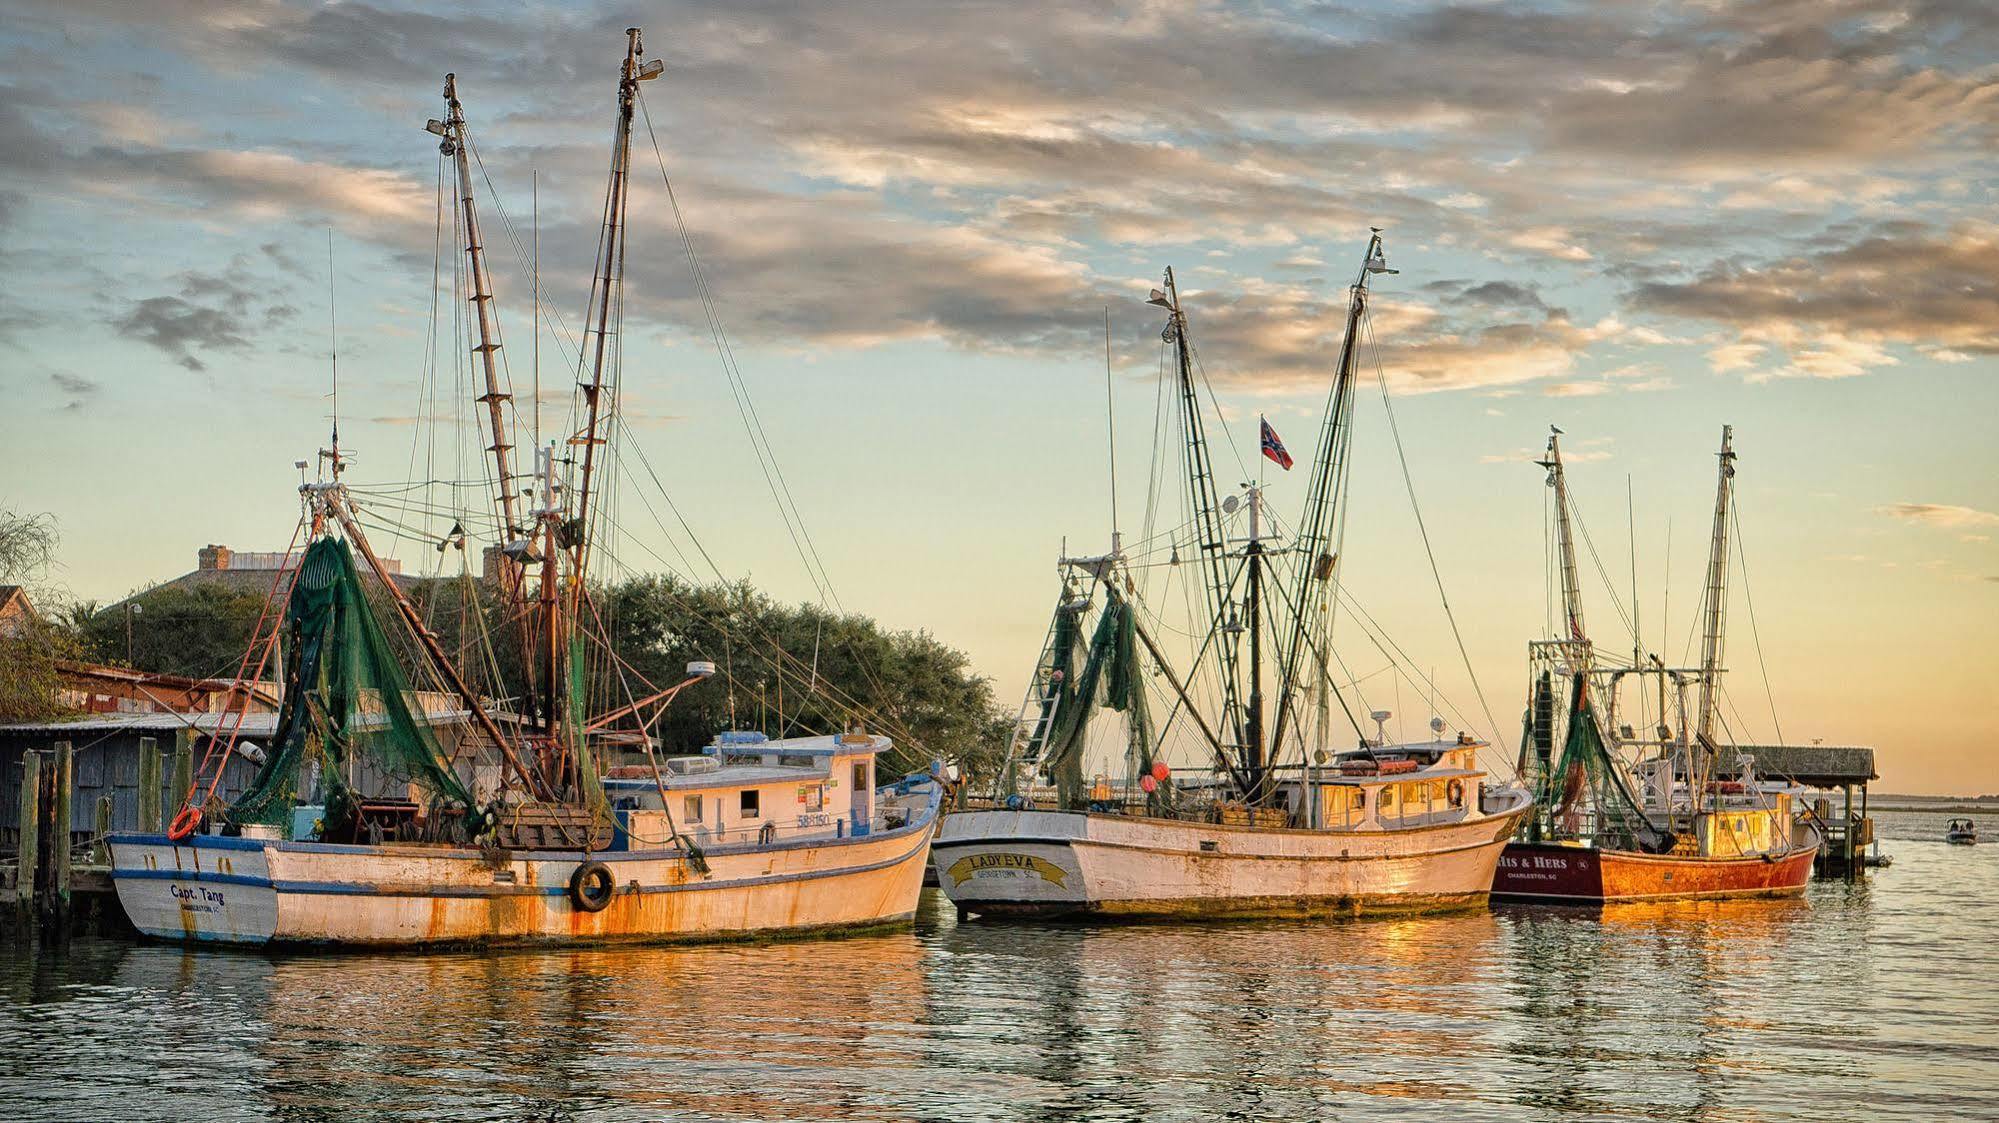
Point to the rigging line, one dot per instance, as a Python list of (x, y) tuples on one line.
[(427, 369), (779, 658), (746, 406), (1742, 566), (1409, 482), (1228, 436), (1603, 574), (499, 337), (1399, 658), (522, 256)]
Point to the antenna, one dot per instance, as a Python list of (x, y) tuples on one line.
[(1110, 423), (1631, 539), (333, 353), (534, 204)]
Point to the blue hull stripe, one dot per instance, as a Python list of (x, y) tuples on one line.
[(191, 875)]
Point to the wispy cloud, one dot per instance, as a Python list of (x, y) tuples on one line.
[(1941, 515)]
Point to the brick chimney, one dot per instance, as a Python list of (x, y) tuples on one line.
[(212, 556)]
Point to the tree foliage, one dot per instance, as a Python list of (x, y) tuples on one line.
[(31, 647), (199, 631), (787, 670), (793, 670)]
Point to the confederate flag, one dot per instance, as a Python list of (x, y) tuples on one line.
[(1274, 448)]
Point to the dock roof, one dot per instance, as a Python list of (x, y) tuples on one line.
[(1815, 766)]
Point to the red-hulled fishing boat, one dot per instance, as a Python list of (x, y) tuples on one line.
[(1625, 818)]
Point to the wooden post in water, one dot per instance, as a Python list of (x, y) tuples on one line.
[(183, 767), (149, 786), (31, 829), (1846, 836), (100, 850), (61, 809)]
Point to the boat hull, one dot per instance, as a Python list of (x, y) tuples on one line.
[(1567, 874), (1041, 864), (247, 891)]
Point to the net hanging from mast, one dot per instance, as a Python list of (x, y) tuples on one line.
[(346, 702)]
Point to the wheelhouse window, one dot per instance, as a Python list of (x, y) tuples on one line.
[(690, 809), (751, 805)]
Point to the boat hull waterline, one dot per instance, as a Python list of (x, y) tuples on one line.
[(1046, 864), (1557, 873), (249, 891)]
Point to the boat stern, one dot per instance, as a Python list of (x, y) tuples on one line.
[(205, 888), (1011, 863)]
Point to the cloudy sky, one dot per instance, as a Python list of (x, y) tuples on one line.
[(1635, 220)]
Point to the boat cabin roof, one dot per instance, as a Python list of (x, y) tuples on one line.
[(736, 743), (749, 759)]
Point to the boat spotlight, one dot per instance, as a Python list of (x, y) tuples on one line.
[(700, 668)]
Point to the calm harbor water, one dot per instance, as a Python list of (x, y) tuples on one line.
[(1869, 1001)]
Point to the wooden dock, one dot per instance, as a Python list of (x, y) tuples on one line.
[(60, 884)]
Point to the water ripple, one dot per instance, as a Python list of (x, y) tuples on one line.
[(1865, 1001)]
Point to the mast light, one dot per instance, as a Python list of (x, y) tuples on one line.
[(434, 126), (651, 70), (1158, 298)]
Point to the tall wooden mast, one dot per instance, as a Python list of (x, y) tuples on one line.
[(1211, 536), (497, 400), (1565, 547), (1253, 756), (609, 280), (1316, 530), (1717, 592)]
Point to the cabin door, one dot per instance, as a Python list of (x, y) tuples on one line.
[(864, 799)]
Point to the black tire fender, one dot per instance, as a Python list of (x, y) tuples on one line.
[(591, 887)]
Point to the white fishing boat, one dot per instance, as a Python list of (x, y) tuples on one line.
[(1284, 821), (756, 870), (368, 825)]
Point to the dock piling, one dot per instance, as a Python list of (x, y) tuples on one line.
[(100, 850), (149, 786), (183, 767), (31, 829), (56, 911)]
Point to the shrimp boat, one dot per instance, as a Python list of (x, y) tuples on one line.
[(1629, 818), (374, 821), (1278, 825)]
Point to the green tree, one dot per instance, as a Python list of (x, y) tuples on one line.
[(199, 631), (787, 670), (32, 647)]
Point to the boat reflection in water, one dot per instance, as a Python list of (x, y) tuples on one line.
[(1676, 1010)]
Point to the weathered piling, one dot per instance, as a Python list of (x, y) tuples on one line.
[(31, 829), (55, 912), (149, 786), (100, 849), (183, 767)]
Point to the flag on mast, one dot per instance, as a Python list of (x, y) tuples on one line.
[(1274, 448)]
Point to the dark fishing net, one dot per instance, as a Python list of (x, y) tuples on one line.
[(346, 706), (1586, 791)]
